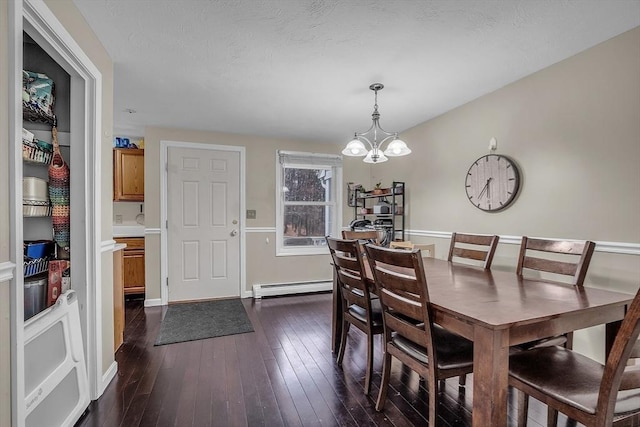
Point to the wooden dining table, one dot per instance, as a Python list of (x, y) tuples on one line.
[(498, 309)]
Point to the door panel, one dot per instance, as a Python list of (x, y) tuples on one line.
[(203, 200)]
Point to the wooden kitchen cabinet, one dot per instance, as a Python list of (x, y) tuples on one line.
[(128, 174), (133, 264)]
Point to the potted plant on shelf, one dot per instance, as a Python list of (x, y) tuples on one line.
[(378, 189)]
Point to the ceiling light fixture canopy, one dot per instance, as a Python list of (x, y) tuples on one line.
[(373, 149)]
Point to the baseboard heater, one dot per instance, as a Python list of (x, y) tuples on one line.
[(276, 289)]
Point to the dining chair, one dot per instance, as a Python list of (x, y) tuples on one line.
[(360, 235), (568, 260), (479, 248), (586, 391), (358, 306), (571, 261), (574, 264), (410, 334)]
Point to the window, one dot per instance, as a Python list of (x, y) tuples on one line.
[(308, 202)]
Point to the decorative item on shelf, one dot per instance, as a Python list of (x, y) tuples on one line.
[(38, 96), (373, 151), (59, 194), (378, 189)]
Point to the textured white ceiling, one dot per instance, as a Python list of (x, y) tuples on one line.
[(301, 68)]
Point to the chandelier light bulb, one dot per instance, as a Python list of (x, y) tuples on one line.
[(355, 148), (372, 157), (397, 148)]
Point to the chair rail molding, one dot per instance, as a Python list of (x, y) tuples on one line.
[(260, 229), (6, 271), (622, 248)]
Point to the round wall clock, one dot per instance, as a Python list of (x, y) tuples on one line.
[(492, 182)]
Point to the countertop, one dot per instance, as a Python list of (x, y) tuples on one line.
[(128, 230)]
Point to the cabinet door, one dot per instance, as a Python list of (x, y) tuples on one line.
[(133, 271), (128, 175)]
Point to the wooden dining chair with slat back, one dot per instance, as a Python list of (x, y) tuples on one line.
[(588, 392), (571, 262), (562, 259), (410, 334), (478, 248), (371, 235), (358, 306)]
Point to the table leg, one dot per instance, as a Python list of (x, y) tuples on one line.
[(336, 315), (611, 330), (490, 377)]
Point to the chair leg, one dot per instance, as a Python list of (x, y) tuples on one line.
[(343, 341), (523, 408), (435, 387), (552, 417), (462, 380), (367, 378), (384, 383)]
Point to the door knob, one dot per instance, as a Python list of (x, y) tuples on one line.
[(234, 232)]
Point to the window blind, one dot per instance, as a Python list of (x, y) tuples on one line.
[(295, 157)]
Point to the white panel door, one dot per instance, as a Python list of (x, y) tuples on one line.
[(203, 211)]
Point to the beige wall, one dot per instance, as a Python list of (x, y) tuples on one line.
[(262, 264), (574, 130)]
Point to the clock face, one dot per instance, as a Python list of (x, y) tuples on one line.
[(492, 182)]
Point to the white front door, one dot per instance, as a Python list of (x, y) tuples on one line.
[(203, 212)]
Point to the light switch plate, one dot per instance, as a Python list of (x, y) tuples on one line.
[(251, 214)]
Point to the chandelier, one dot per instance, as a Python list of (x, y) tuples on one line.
[(373, 149)]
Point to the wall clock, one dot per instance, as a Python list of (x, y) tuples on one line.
[(492, 182)]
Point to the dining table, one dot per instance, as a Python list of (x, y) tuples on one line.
[(498, 309)]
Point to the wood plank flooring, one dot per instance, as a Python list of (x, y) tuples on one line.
[(283, 374)]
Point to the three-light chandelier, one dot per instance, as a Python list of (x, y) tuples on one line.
[(373, 150)]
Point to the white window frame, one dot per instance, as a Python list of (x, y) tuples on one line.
[(302, 160)]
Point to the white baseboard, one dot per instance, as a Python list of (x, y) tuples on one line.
[(152, 302), (108, 376)]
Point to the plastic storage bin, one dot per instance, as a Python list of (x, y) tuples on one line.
[(35, 296)]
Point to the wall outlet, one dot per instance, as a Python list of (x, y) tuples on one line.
[(251, 214), (118, 219)]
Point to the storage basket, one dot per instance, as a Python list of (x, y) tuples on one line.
[(37, 152), (38, 248), (36, 208), (31, 267)]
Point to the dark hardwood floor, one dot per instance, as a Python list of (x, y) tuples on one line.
[(283, 374)]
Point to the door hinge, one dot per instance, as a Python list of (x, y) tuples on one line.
[(166, 166), (166, 224), (167, 282)]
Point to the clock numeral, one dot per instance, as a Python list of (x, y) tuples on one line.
[(512, 179), (508, 165)]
